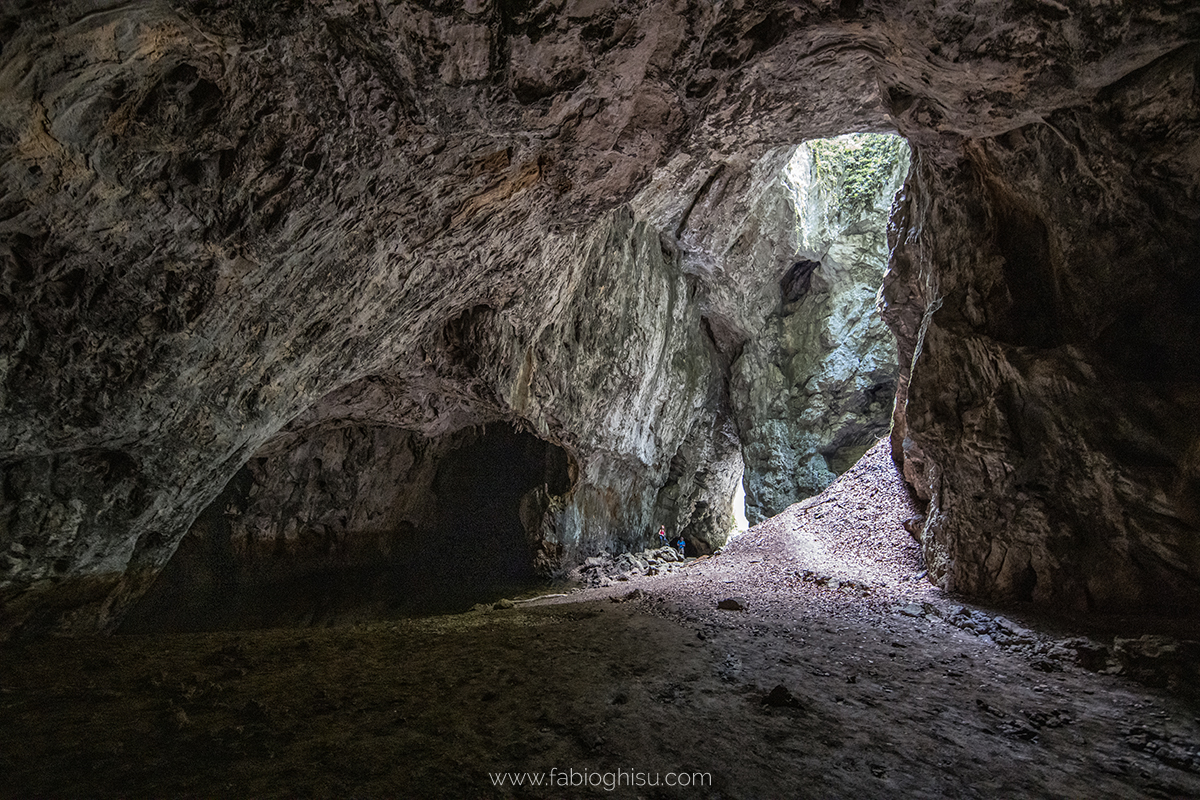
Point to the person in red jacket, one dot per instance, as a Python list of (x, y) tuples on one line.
[(662, 536)]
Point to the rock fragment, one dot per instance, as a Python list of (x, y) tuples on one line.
[(780, 697)]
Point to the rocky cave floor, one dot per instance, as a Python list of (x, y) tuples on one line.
[(843, 674)]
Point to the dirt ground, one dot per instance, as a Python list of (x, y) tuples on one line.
[(843, 674)]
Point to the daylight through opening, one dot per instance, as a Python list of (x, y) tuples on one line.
[(816, 389)]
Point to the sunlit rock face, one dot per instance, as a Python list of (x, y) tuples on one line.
[(788, 265), (814, 386), (224, 224)]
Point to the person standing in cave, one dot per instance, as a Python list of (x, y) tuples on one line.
[(662, 535), (682, 547)]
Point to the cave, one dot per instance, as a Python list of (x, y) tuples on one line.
[(813, 372), (352, 319)]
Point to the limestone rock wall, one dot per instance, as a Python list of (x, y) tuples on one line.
[(627, 369), (224, 222), (1045, 286)]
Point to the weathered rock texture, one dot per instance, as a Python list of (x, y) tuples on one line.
[(224, 222), (1046, 280)]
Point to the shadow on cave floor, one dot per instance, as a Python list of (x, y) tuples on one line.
[(479, 565), (449, 579), (338, 597)]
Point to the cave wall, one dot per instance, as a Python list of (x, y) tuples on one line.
[(1050, 417), (628, 369), (342, 490), (221, 220)]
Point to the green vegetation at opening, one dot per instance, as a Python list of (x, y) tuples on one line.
[(858, 164)]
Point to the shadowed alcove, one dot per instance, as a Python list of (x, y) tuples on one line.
[(362, 521)]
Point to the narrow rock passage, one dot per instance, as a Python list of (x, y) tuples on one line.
[(841, 675)]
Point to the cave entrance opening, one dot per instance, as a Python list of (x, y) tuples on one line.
[(814, 389)]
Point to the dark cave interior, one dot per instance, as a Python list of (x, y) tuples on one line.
[(471, 539)]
